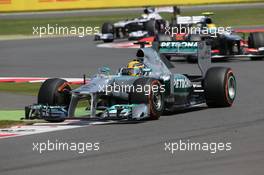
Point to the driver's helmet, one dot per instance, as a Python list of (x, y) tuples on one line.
[(135, 68), (208, 21), (149, 10), (211, 26)]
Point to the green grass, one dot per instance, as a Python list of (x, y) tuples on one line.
[(13, 115), (10, 118), (238, 17), (24, 26), (23, 88), (20, 88), (9, 123), (221, 18), (16, 115)]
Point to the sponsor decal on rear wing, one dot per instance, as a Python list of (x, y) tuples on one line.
[(201, 50), (178, 47)]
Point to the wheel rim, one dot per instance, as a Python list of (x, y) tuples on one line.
[(157, 98), (231, 87)]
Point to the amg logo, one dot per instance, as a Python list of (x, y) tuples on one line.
[(178, 44)]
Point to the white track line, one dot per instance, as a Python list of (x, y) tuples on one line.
[(37, 128)]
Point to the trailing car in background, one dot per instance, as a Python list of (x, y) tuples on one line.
[(238, 43), (229, 44), (149, 24), (233, 45)]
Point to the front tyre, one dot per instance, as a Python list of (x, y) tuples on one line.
[(54, 92), (256, 40), (220, 87), (108, 28), (153, 97)]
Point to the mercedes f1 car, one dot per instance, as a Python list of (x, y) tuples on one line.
[(144, 89), (224, 44), (149, 24), (233, 45)]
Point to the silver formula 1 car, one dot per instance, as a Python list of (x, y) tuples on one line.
[(149, 24), (143, 91)]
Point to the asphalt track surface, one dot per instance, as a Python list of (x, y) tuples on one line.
[(10, 101), (136, 148)]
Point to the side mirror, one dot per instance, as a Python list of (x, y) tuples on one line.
[(104, 70), (146, 70)]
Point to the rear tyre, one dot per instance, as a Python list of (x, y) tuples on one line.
[(256, 40), (220, 87), (53, 92), (153, 96), (151, 27), (108, 28)]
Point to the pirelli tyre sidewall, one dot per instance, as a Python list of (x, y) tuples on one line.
[(154, 99), (220, 87)]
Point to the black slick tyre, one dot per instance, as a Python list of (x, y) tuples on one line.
[(108, 28), (256, 40), (54, 92), (153, 98), (220, 87)]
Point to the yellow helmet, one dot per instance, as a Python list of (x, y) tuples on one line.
[(211, 26), (135, 68)]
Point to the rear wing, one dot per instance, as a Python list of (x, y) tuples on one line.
[(189, 19), (169, 9), (188, 48)]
